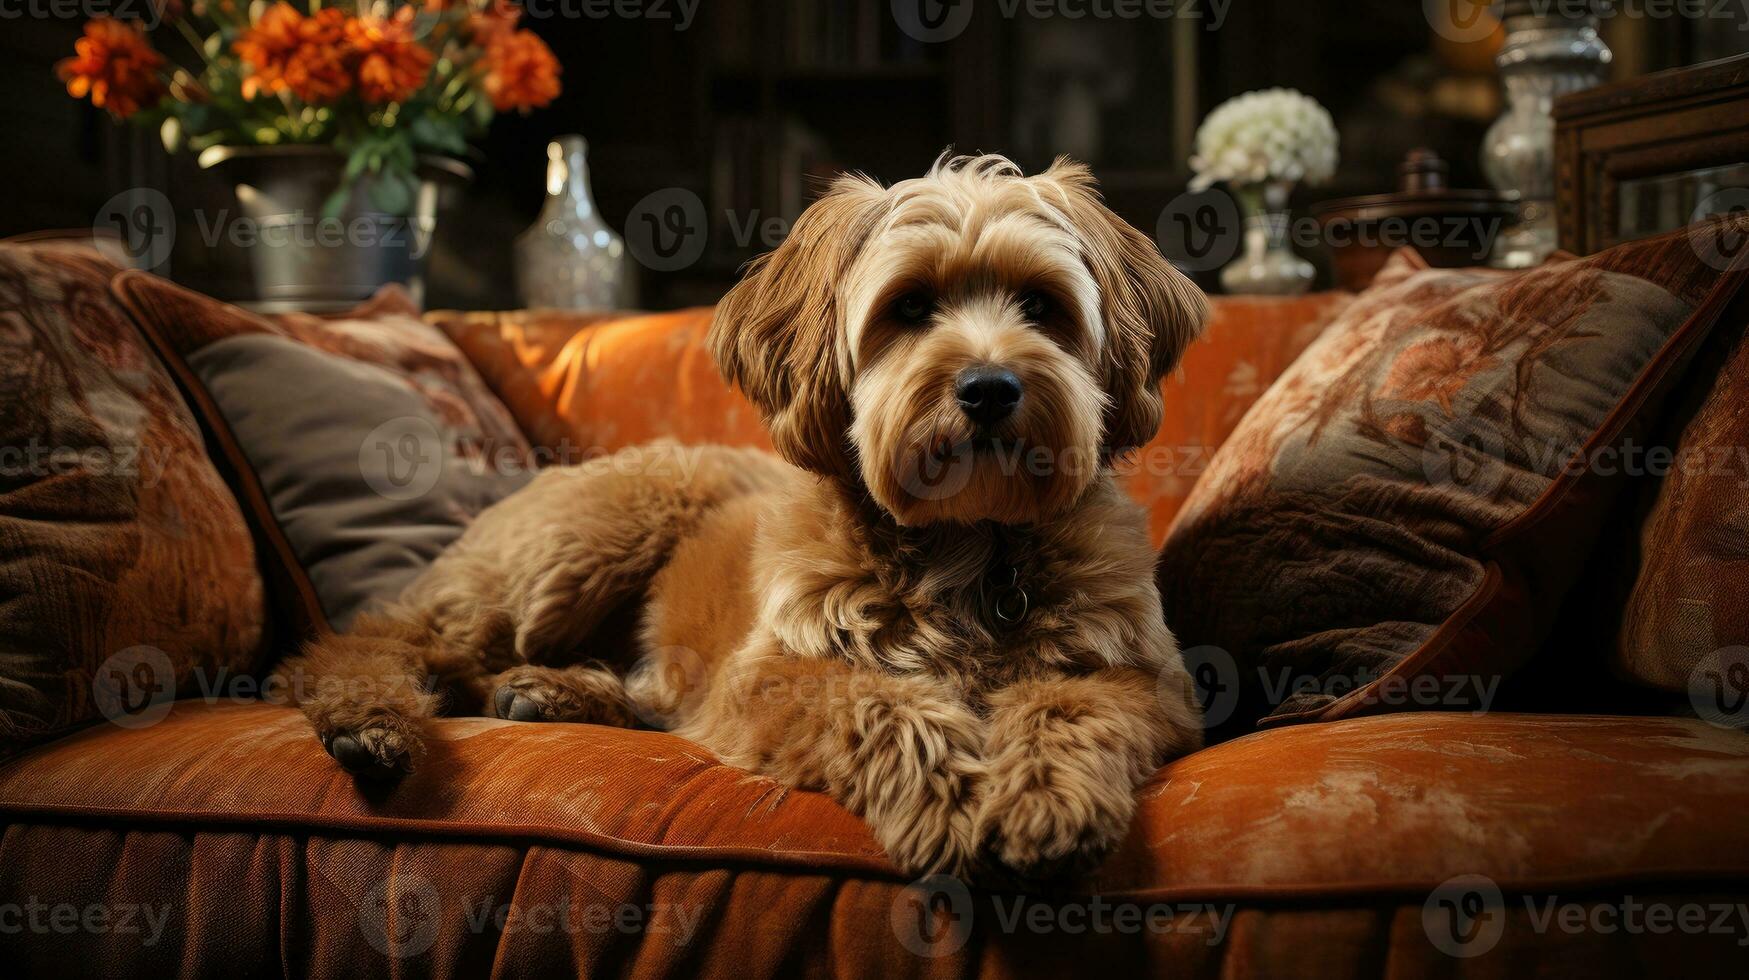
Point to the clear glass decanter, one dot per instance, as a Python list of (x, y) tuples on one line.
[(570, 259)]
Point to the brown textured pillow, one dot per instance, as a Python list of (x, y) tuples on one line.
[(123, 557), (1395, 522), (361, 445), (1686, 620)]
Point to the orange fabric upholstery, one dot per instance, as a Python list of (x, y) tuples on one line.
[(1307, 845), (582, 384)]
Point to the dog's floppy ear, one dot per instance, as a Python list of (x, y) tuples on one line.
[(777, 334), (1151, 311)]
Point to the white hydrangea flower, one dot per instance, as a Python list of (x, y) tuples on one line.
[(1270, 134)]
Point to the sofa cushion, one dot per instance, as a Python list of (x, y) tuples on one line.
[(1685, 624), (125, 565), (1413, 499), (1371, 815), (361, 444), (581, 384)]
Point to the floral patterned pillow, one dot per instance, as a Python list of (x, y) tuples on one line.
[(1394, 524), (125, 565)]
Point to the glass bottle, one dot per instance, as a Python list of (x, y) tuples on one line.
[(570, 259)]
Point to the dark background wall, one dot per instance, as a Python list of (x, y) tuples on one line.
[(754, 101)]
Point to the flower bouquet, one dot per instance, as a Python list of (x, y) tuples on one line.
[(1261, 144), (380, 82)]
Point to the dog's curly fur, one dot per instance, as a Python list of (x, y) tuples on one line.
[(828, 621)]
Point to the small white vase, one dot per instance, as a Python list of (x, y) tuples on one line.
[(1268, 265), (571, 259)]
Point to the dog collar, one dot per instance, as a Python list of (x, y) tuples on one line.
[(1005, 602)]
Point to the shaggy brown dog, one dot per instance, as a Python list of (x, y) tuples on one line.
[(943, 613)]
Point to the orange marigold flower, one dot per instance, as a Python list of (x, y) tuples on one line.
[(521, 72), (115, 65), (288, 52), (392, 66)]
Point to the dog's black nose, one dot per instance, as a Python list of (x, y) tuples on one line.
[(987, 394)]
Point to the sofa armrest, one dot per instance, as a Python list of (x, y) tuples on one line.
[(583, 384)]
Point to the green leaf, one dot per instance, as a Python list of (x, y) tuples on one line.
[(438, 133), (392, 193), (336, 204), (356, 164)]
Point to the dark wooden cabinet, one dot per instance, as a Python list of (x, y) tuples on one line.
[(1650, 154)]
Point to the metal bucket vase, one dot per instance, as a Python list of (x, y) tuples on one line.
[(304, 260)]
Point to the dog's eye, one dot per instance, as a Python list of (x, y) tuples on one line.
[(1034, 306), (914, 307)]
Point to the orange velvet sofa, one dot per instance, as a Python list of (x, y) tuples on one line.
[(222, 841)]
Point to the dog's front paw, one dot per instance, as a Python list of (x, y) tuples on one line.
[(919, 770), (1041, 821), (577, 694), (383, 746)]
